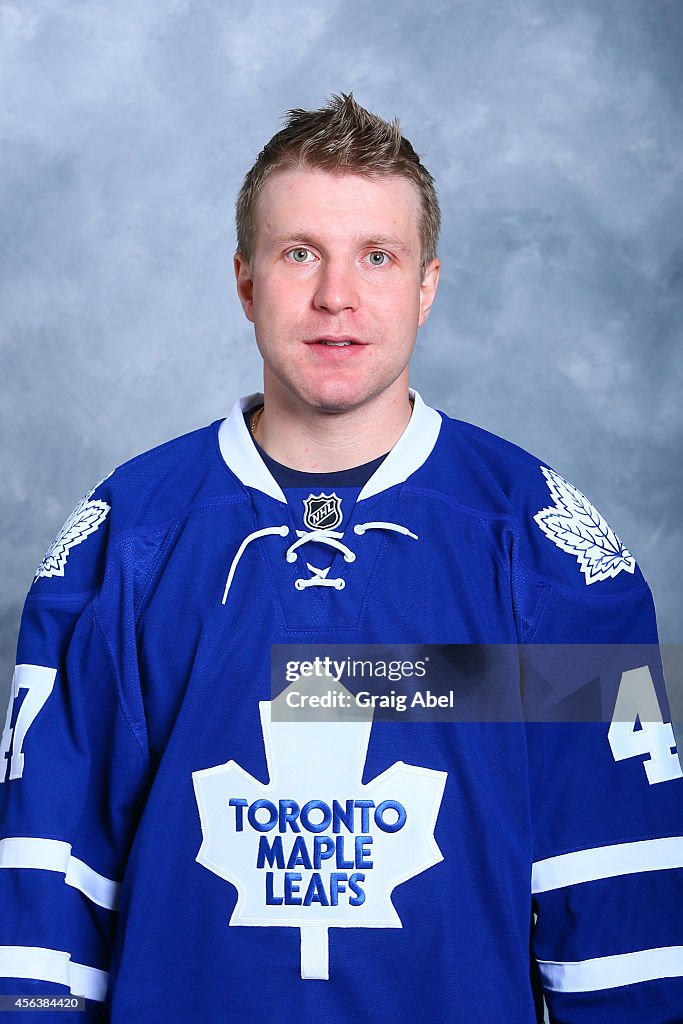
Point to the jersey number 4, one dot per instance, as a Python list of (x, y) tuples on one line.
[(38, 682), (637, 703)]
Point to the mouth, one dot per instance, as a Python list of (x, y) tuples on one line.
[(343, 342)]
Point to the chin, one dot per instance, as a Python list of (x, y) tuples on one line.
[(332, 406), (340, 399)]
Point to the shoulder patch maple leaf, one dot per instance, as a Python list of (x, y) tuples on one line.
[(315, 848), (576, 526), (84, 520)]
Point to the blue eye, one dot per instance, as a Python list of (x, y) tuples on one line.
[(299, 255), (375, 261)]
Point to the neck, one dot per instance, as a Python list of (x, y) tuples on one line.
[(317, 441)]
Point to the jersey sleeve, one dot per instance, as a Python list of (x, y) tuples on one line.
[(606, 785), (73, 764)]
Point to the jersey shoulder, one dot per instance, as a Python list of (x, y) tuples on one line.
[(143, 497), (561, 536)]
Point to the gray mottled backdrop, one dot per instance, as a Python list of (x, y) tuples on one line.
[(555, 134)]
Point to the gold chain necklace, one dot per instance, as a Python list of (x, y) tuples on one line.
[(254, 420)]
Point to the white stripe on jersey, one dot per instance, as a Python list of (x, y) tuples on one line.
[(612, 971), (38, 964), (55, 855), (606, 862)]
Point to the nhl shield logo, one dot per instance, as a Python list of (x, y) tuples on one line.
[(322, 511)]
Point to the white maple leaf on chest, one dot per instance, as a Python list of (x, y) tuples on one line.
[(335, 848)]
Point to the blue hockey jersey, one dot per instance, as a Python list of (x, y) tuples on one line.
[(173, 852)]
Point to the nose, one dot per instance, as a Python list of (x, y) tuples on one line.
[(336, 287)]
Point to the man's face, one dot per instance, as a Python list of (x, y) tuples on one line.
[(336, 260)]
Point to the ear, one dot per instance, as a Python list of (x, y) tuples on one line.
[(430, 281), (245, 284)]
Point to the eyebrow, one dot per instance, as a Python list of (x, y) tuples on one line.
[(390, 241)]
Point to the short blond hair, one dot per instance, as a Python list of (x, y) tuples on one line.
[(343, 138)]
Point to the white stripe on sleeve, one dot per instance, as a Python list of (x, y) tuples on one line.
[(55, 855), (606, 862), (38, 964), (612, 971)]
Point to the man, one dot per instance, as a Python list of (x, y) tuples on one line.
[(174, 851)]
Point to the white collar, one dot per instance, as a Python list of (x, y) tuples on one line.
[(412, 449)]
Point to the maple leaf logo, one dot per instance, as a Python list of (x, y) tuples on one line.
[(84, 520), (576, 526), (314, 848)]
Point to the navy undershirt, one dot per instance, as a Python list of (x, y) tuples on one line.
[(304, 492), (288, 478)]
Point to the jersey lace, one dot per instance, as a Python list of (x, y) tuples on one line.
[(330, 538)]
